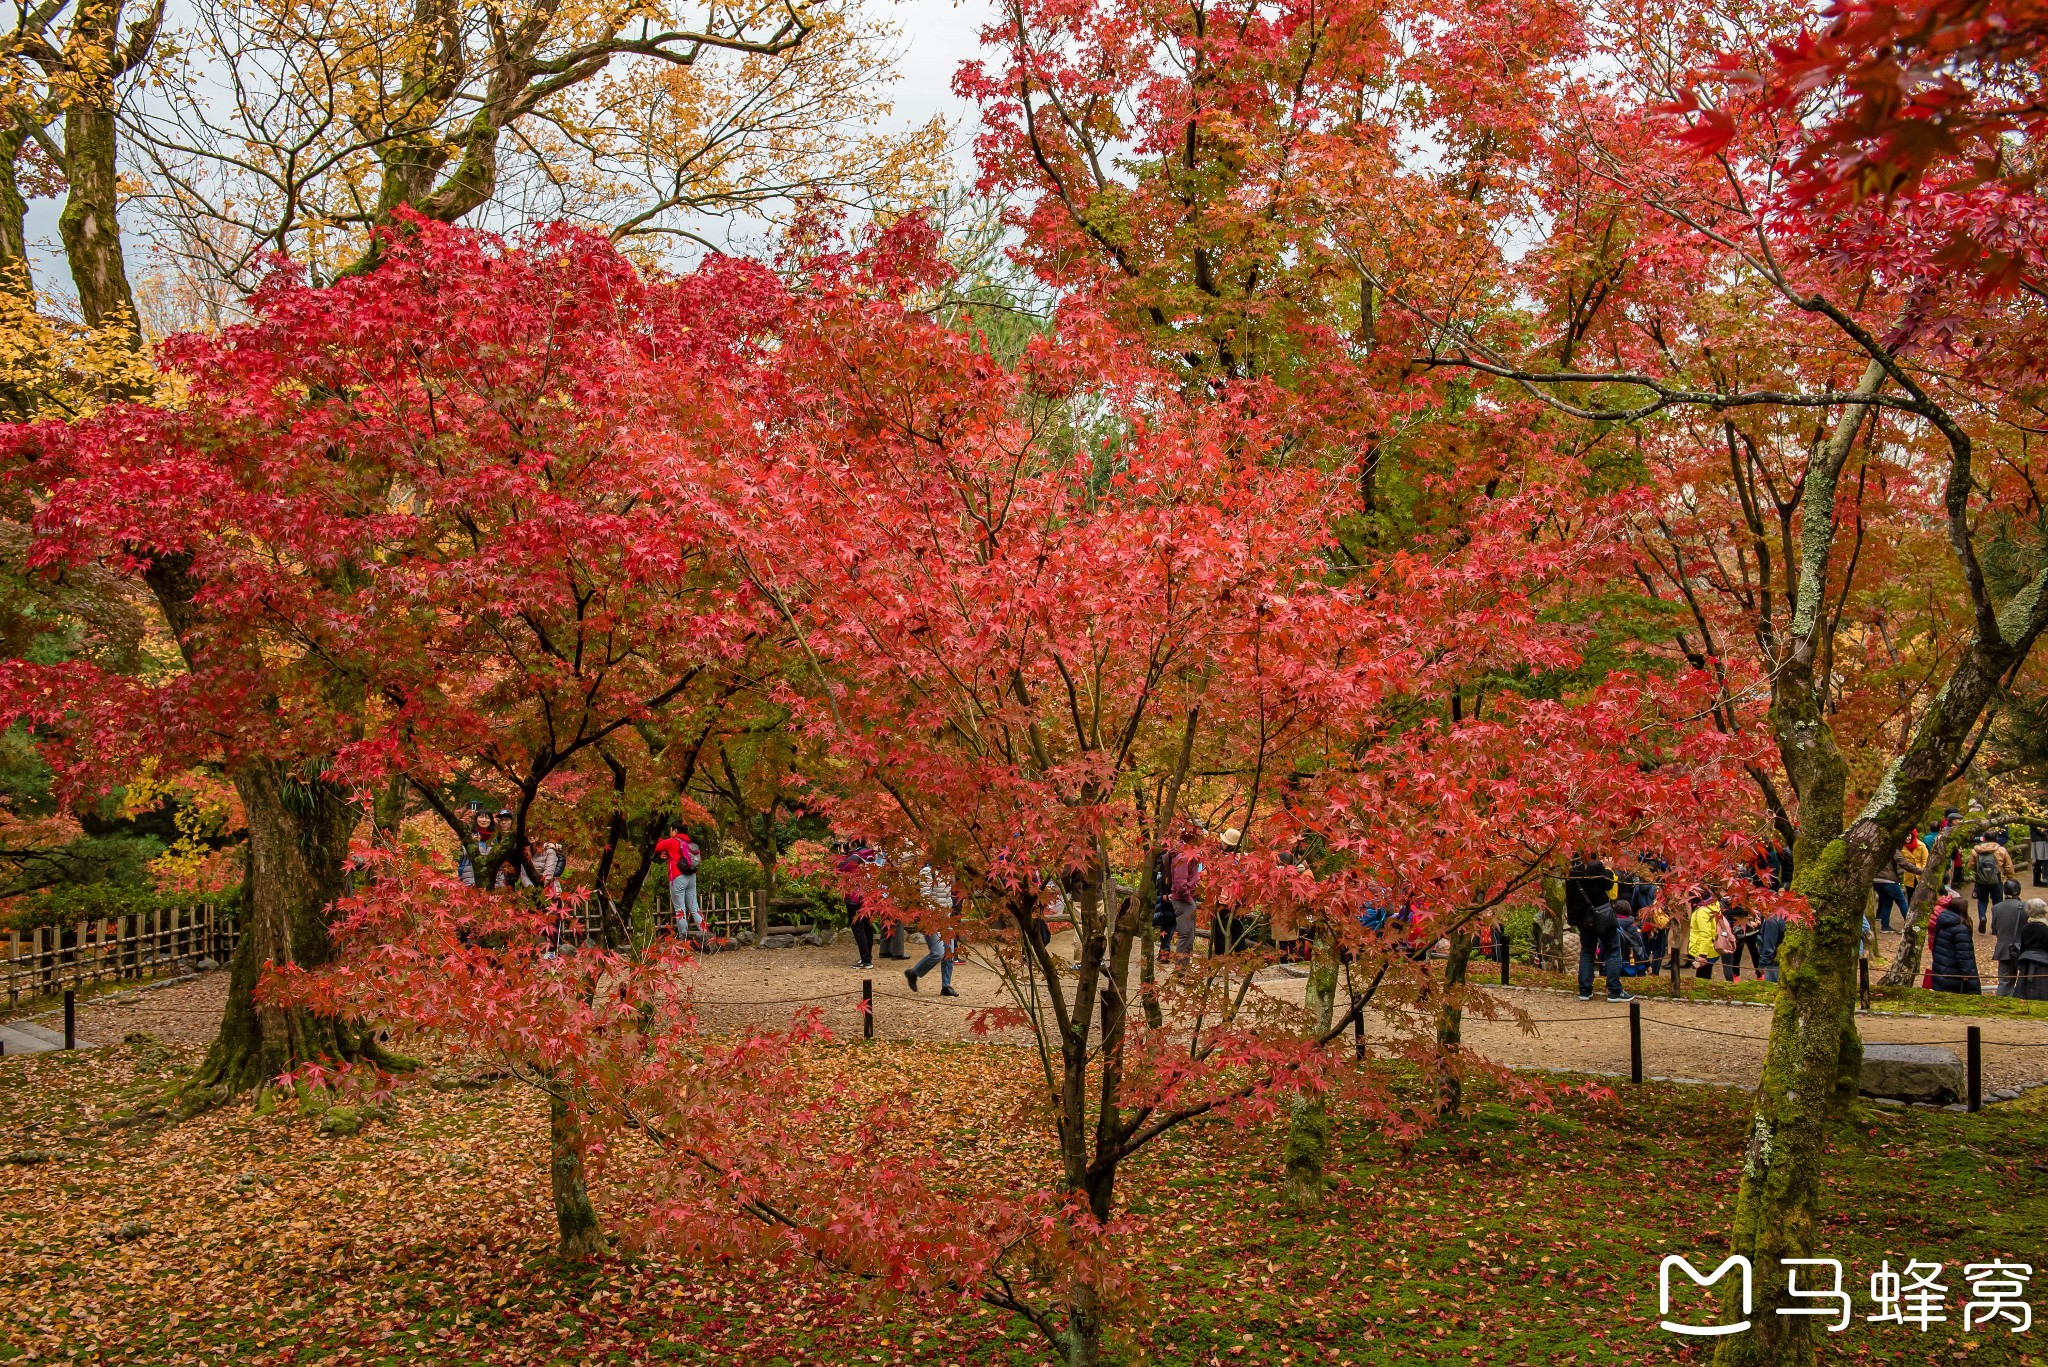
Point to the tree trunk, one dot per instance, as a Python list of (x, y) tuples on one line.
[(1814, 1055), (1546, 929), (1450, 1020), (14, 272), (1084, 1327), (88, 223), (298, 842), (1308, 1121), (575, 1218)]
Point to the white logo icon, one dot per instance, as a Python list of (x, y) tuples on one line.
[(1702, 1330)]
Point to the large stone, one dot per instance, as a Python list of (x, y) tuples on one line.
[(777, 941), (1912, 1072)]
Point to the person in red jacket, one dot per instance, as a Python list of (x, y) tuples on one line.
[(680, 854)]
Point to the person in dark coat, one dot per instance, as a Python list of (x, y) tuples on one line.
[(1955, 951), (1770, 934), (2032, 984)]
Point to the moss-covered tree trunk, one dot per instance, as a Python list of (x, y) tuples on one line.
[(88, 224), (579, 1234), (1814, 1054), (1450, 1023), (298, 843), (1308, 1120)]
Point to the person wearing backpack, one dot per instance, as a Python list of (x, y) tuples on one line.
[(1183, 881), (1600, 934), (1588, 886), (1991, 866), (680, 854)]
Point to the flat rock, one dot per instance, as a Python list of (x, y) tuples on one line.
[(26, 1037), (777, 941), (1912, 1072)]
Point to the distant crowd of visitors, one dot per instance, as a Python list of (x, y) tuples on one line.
[(1626, 927), (1625, 930)]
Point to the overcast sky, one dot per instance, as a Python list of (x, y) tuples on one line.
[(938, 35)]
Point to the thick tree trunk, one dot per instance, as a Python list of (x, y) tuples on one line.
[(1084, 1327), (88, 223), (1308, 1121), (14, 273), (1814, 1055), (1450, 1020), (298, 842), (575, 1218)]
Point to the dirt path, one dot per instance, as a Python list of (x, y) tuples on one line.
[(1707, 1041)]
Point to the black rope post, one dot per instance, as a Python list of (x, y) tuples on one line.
[(1863, 981), (1674, 968), (1974, 1048), (1358, 1036), (71, 1023), (867, 1008), (1506, 953), (1635, 1042)]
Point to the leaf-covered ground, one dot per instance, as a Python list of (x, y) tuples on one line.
[(1504, 1238)]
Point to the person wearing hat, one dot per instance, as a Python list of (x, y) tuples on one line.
[(1228, 932)]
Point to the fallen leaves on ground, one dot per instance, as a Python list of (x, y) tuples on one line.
[(1506, 1237)]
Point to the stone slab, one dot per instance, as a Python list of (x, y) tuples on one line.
[(1912, 1072)]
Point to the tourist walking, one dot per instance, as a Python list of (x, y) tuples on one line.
[(850, 860), (2007, 917), (1953, 956), (938, 898), (1991, 866), (679, 852)]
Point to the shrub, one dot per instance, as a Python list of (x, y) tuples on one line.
[(728, 873), (105, 901)]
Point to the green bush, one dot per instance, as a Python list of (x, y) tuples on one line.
[(822, 907), (106, 901), (728, 873), (1520, 924)]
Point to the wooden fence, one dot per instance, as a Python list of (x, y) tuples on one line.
[(725, 915), (144, 945)]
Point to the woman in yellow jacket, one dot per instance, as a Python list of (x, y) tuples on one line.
[(1703, 934)]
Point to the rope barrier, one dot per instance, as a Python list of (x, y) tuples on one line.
[(1701, 1030), (778, 1001)]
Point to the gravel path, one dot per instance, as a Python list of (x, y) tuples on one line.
[(1708, 1041)]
